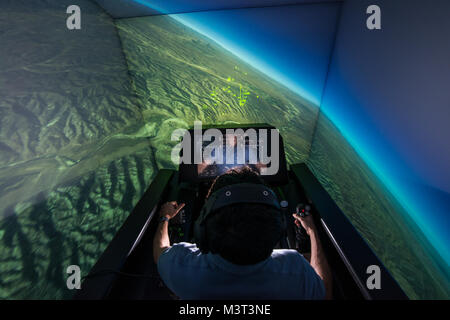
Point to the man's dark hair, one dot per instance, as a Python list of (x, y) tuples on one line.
[(243, 233)]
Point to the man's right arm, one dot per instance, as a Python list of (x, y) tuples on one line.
[(318, 260)]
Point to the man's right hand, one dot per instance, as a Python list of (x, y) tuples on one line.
[(318, 259), (306, 222)]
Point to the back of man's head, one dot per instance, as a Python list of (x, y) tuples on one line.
[(244, 233)]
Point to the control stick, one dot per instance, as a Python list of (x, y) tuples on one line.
[(302, 239)]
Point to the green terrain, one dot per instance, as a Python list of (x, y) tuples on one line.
[(377, 216), (81, 140), (85, 123), (181, 76), (74, 157)]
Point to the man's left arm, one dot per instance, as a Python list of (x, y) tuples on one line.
[(161, 241)]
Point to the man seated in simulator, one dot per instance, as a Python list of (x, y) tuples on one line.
[(234, 257)]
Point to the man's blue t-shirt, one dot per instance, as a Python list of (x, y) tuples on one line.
[(192, 275)]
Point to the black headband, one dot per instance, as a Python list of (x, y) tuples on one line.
[(240, 193)]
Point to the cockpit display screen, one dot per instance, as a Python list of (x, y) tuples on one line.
[(208, 153), (232, 157)]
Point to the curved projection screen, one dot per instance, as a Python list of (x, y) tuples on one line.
[(87, 116), (86, 119)]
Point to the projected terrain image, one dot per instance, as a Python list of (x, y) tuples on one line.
[(80, 142), (377, 216), (86, 120), (181, 76), (74, 157)]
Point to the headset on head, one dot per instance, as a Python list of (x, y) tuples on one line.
[(229, 195)]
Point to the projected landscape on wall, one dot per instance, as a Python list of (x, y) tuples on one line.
[(76, 158), (86, 122), (73, 156), (181, 76)]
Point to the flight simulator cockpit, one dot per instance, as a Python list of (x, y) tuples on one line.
[(126, 269)]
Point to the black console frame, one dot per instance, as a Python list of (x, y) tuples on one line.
[(189, 173)]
